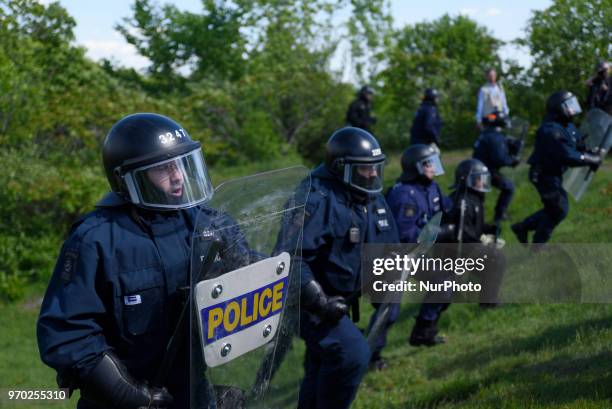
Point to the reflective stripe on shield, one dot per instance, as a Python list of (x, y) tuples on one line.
[(240, 311)]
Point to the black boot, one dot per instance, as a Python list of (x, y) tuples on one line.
[(377, 363), (425, 332), (521, 233)]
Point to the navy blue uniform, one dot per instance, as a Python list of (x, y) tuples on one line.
[(115, 287), (555, 150), (337, 355), (413, 204), (492, 149), (426, 125), (359, 114)]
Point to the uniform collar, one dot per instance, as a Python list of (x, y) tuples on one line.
[(111, 199)]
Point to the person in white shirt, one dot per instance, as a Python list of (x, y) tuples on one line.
[(491, 98)]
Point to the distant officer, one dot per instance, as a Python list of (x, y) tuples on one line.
[(600, 88), (344, 210), (427, 123), (491, 148), (113, 300), (414, 199), (359, 112), (555, 150)]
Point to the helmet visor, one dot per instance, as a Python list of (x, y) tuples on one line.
[(367, 177), (430, 166), (176, 183), (571, 107), (480, 182)]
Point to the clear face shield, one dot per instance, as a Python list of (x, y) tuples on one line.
[(176, 183), (571, 107), (480, 182), (430, 166), (367, 177)]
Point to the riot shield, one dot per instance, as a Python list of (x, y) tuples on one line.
[(515, 135), (245, 292), (426, 239), (597, 130)]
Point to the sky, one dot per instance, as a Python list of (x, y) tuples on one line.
[(505, 19)]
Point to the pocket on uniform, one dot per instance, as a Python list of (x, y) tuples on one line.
[(142, 300)]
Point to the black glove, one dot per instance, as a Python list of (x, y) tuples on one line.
[(447, 233), (515, 162), (110, 385), (329, 309), (593, 161)]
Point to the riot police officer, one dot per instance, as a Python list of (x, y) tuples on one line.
[(600, 88), (113, 300), (344, 210), (465, 224), (556, 149), (413, 200), (359, 112), (491, 148), (427, 123)]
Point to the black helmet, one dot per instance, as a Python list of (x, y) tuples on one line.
[(366, 89), (495, 119), (563, 105), (151, 161), (430, 94), (418, 156), (473, 174), (602, 67), (354, 156)]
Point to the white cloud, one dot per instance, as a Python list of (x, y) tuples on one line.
[(115, 49), (469, 11), (493, 11)]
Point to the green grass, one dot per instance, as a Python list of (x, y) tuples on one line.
[(517, 356)]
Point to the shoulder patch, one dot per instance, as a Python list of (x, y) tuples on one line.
[(69, 262)]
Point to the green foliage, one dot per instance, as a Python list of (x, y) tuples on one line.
[(250, 80), (566, 40), (450, 54)]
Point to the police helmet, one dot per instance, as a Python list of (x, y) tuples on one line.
[(563, 105), (152, 162), (473, 174), (431, 94), (495, 119), (354, 156), (417, 158), (366, 90), (602, 67)]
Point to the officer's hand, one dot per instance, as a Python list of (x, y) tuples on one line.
[(334, 309), (329, 309), (160, 399), (110, 385), (593, 161), (515, 162)]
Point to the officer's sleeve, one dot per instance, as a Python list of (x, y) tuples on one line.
[(430, 127), (479, 106), (564, 151), (355, 114), (315, 236), (407, 216), (499, 153), (235, 251), (505, 108), (70, 336)]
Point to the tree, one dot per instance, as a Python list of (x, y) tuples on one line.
[(450, 54), (566, 40)]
